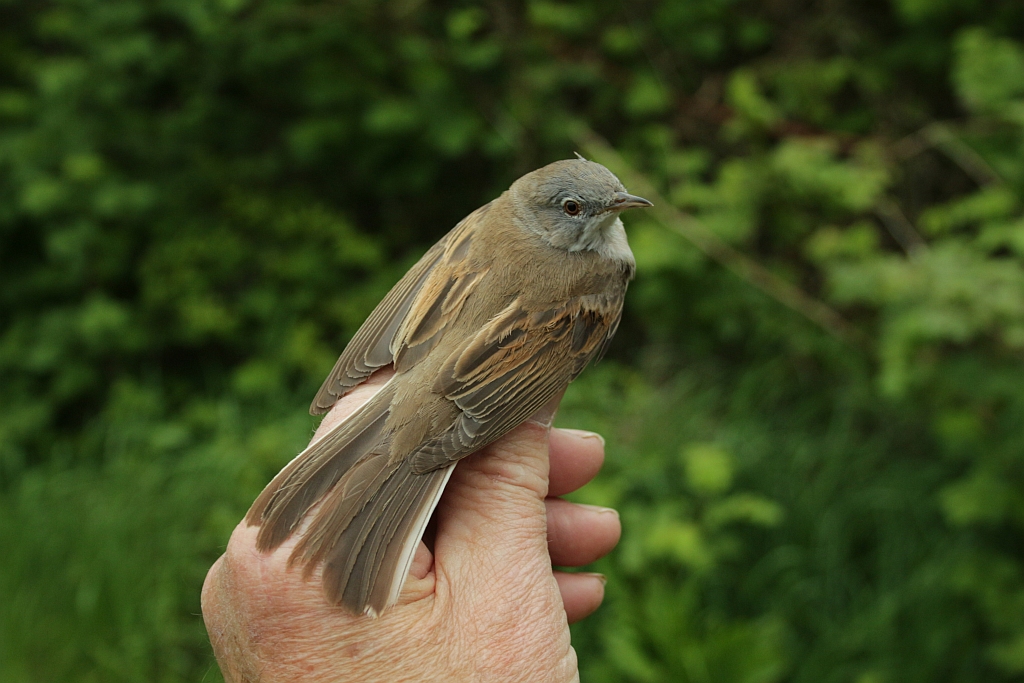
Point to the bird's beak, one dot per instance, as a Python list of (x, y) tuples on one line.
[(625, 201)]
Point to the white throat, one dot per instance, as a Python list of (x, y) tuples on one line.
[(607, 237)]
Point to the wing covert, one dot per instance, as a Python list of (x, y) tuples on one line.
[(513, 367), (404, 308)]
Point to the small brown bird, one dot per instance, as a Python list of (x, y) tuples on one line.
[(492, 323)]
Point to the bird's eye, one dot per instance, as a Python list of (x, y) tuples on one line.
[(571, 207)]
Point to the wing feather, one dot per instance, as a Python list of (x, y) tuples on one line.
[(375, 344), (513, 367)]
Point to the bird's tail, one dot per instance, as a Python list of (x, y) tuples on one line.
[(370, 511)]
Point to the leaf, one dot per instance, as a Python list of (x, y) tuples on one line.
[(709, 468), (988, 72)]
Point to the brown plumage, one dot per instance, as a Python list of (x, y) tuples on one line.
[(492, 323)]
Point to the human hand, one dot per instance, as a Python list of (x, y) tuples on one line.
[(485, 604)]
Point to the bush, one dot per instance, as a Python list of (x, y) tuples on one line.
[(816, 448)]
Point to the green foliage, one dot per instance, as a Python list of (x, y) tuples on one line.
[(200, 201)]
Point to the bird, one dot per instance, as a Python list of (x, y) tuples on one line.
[(492, 323)]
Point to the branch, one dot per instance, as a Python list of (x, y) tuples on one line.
[(715, 248), (941, 136), (900, 227)]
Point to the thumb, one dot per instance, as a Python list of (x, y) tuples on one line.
[(492, 517)]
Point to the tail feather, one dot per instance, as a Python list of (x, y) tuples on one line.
[(348, 570), (371, 511), (366, 566), (398, 556), (332, 523), (381, 566), (286, 500)]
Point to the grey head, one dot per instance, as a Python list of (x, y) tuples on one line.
[(575, 205)]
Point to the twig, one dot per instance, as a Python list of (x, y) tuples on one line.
[(708, 242), (941, 136), (900, 227)]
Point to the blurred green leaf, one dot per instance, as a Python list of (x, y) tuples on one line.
[(989, 71), (709, 468), (200, 202)]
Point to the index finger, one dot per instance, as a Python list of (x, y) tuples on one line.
[(576, 457)]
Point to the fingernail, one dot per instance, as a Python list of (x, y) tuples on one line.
[(600, 577), (585, 434), (599, 509)]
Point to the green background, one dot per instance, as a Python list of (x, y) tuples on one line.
[(814, 406)]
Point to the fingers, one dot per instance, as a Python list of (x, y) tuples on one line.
[(494, 501), (580, 534), (498, 500), (582, 593), (576, 456)]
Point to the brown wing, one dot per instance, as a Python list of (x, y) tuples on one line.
[(374, 345), (403, 327), (514, 366)]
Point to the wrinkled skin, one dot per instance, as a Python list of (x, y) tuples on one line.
[(484, 605)]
